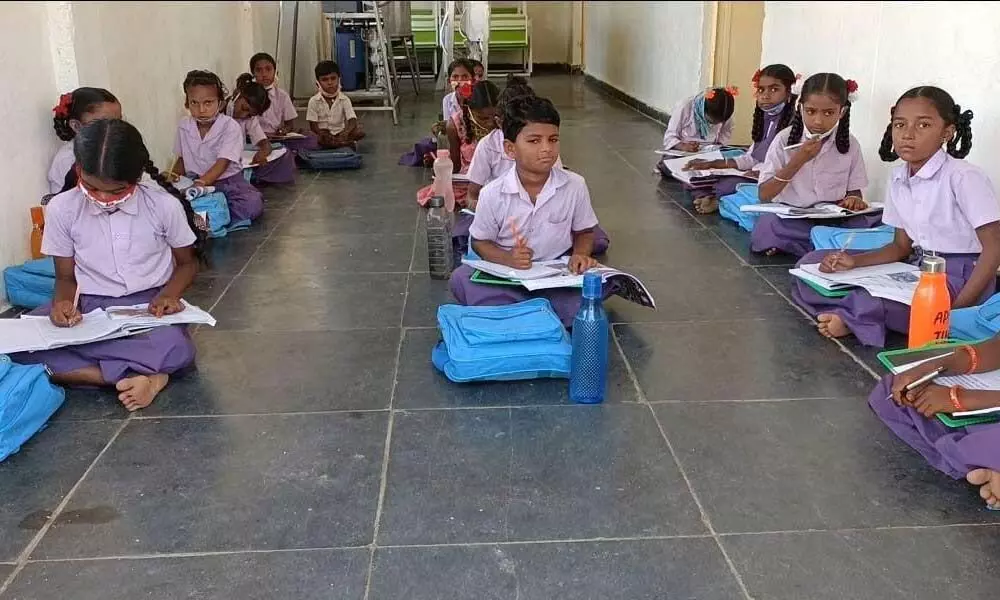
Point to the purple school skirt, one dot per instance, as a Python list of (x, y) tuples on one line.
[(310, 142), (869, 317), (245, 201), (565, 301), (792, 235), (278, 171), (162, 350), (954, 452)]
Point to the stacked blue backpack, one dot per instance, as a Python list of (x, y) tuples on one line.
[(976, 323), (216, 207), (331, 160), (824, 237), (502, 343), (729, 206), (32, 284), (27, 400)]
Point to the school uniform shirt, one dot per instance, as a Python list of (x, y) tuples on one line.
[(941, 206), (826, 178), (122, 252), (449, 106), (682, 127), (489, 161), (562, 207), (282, 109), (330, 116), (62, 162), (251, 126), (757, 152), (223, 140)]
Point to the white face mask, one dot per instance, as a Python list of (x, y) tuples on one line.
[(207, 120), (106, 206), (808, 135)]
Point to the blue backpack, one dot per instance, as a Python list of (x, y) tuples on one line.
[(502, 343), (331, 160), (976, 323), (27, 400), (729, 206), (824, 237), (32, 284), (217, 209)]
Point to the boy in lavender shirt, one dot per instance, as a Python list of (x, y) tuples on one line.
[(937, 203), (534, 212), (827, 167), (209, 145), (118, 242)]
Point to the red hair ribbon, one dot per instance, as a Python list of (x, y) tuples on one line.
[(62, 109), (709, 93), (733, 90), (756, 77), (852, 86), (798, 76)]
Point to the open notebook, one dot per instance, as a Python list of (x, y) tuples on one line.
[(248, 156), (823, 210), (31, 333), (894, 281)]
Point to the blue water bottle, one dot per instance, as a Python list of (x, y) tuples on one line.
[(588, 374)]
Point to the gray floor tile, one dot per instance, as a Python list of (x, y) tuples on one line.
[(786, 466), (36, 479), (665, 249), (534, 473), (340, 253), (646, 569), (956, 563), (207, 289), (228, 255), (420, 385), (280, 302), (333, 218), (229, 483), (256, 576), (280, 372), (424, 296), (90, 404), (739, 360)]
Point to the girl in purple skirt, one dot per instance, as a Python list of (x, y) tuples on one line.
[(210, 145), (775, 107), (936, 202), (278, 119), (971, 452), (246, 105), (118, 242), (534, 212), (826, 167)]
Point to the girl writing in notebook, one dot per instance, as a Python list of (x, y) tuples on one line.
[(707, 118), (936, 202), (278, 119), (118, 242), (209, 146), (775, 108), (76, 109), (246, 105), (814, 161), (971, 452)]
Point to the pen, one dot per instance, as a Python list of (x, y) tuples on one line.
[(924, 379)]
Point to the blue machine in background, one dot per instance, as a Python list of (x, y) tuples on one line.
[(351, 56)]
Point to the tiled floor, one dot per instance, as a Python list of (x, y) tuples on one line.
[(315, 453)]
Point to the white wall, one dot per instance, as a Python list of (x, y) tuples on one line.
[(889, 47), (139, 51), (653, 51)]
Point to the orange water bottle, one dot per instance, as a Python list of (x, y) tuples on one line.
[(931, 309), (37, 226)]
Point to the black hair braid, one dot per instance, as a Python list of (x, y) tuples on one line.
[(961, 144), (885, 149), (795, 135), (788, 113), (63, 131), (844, 131), (757, 130), (201, 237)]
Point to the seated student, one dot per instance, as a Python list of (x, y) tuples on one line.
[(827, 167), (536, 211), (76, 109), (461, 71), (972, 453), (465, 130), (248, 102), (330, 113), (155, 265), (706, 118), (478, 70), (209, 145), (773, 112), (937, 203), (279, 118)]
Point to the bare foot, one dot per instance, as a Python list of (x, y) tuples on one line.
[(707, 206), (989, 485), (832, 326), (139, 391)]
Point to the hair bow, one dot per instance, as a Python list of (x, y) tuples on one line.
[(62, 109), (733, 90), (852, 86), (756, 77)]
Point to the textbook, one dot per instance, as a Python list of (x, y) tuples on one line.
[(703, 148), (822, 210), (291, 135), (31, 333), (551, 274), (894, 281), (248, 156)]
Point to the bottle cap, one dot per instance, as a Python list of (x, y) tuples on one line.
[(932, 264), (592, 285), (436, 202)]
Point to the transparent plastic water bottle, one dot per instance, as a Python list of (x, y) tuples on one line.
[(589, 370), (439, 251), (443, 169)]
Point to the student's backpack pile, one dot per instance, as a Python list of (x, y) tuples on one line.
[(976, 323), (27, 400), (330, 160), (502, 343), (32, 284), (729, 206)]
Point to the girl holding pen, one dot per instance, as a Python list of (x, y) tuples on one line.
[(937, 202), (907, 403)]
